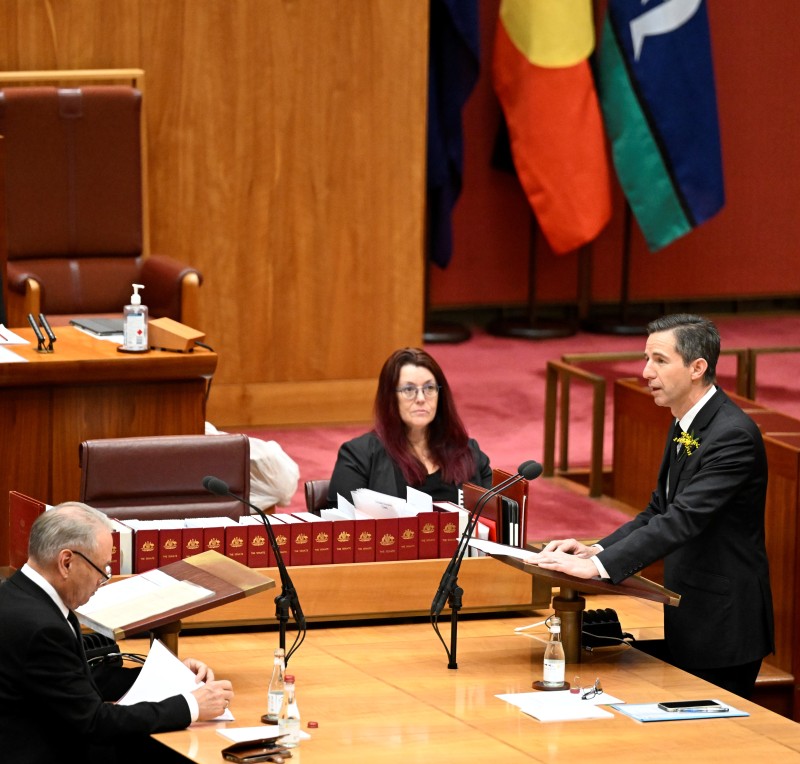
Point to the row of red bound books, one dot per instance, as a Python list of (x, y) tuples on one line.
[(302, 538)]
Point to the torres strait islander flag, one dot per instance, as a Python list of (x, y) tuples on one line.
[(545, 86), (656, 84)]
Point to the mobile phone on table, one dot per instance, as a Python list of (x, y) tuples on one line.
[(694, 706)]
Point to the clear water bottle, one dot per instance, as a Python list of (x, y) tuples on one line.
[(289, 720), (276, 684), (554, 661)]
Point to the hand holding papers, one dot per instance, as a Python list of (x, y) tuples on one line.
[(163, 676)]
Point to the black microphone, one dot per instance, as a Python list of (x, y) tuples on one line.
[(529, 470), (47, 328), (288, 595)]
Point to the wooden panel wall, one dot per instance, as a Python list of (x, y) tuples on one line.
[(286, 147)]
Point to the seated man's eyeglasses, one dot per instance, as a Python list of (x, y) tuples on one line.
[(106, 574), (597, 689), (409, 392)]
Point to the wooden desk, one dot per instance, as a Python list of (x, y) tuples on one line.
[(380, 590), (385, 693), (86, 389)]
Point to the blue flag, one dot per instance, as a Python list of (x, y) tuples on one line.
[(454, 64), (656, 87)]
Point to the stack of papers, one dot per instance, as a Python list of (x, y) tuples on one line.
[(561, 705)]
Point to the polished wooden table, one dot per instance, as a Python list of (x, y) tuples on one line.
[(86, 389), (384, 693)]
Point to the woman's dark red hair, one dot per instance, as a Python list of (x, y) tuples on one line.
[(447, 436)]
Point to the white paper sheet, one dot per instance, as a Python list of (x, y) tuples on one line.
[(9, 356), (163, 676), (7, 337), (490, 547), (561, 705), (420, 501), (264, 732)]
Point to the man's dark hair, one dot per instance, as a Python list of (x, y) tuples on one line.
[(695, 337)]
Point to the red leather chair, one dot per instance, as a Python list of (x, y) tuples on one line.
[(75, 227), (161, 477), (316, 495)]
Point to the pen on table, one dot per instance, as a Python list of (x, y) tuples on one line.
[(720, 710)]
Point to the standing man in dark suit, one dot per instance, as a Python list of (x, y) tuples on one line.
[(51, 707), (705, 518)]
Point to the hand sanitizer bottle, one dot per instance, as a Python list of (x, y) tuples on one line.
[(134, 317)]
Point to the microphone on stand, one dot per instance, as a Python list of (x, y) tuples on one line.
[(448, 586), (287, 599), (529, 470)]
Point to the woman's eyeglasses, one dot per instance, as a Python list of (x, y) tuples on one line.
[(409, 392)]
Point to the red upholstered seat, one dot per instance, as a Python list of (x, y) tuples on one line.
[(161, 477), (316, 495), (75, 231)]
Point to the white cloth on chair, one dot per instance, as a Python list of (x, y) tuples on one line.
[(273, 473)]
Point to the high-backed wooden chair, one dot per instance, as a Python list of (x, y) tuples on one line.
[(161, 477), (75, 211)]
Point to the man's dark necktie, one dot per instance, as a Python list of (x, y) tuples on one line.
[(673, 452), (676, 433), (76, 628)]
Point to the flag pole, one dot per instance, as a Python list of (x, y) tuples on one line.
[(436, 332), (532, 327), (623, 323), (440, 331)]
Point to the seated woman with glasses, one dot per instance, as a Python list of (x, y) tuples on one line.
[(418, 438)]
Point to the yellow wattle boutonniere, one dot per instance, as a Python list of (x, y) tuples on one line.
[(688, 441)]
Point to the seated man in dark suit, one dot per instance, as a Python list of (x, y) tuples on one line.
[(51, 707), (705, 518)]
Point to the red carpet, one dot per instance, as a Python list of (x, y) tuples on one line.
[(499, 386)]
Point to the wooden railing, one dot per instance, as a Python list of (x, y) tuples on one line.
[(562, 373)]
